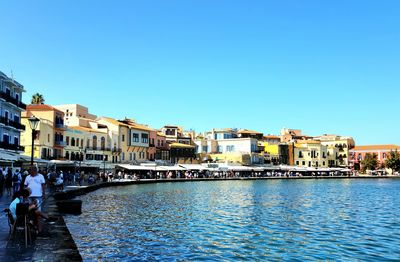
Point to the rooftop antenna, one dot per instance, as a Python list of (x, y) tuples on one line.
[(12, 75)]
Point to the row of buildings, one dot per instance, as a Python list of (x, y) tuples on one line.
[(71, 133)]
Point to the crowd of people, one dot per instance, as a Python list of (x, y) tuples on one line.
[(31, 192)]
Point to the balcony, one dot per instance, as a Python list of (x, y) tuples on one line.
[(60, 143), (60, 126), (98, 148), (11, 146), (12, 123), (12, 100)]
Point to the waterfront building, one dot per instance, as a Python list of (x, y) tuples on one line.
[(91, 145), (162, 148), (245, 133), (49, 140), (151, 151), (338, 149), (182, 153), (175, 134), (119, 133), (357, 154), (75, 140), (10, 117), (86, 138), (310, 153), (76, 115), (138, 141), (291, 135), (225, 145), (335, 148), (270, 145)]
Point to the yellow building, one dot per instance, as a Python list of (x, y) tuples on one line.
[(310, 153), (338, 149), (232, 158), (87, 144), (49, 139), (119, 138)]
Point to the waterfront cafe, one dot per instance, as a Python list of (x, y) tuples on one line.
[(77, 166)]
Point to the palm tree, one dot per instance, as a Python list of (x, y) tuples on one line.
[(37, 99)]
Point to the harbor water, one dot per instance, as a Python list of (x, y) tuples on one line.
[(335, 219)]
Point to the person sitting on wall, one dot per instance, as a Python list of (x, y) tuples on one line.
[(34, 214)]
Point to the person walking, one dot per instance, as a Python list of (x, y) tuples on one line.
[(16, 180), (36, 183), (8, 182), (2, 180)]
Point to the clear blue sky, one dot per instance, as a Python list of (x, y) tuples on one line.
[(320, 66)]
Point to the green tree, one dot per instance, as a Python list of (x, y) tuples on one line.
[(37, 99), (370, 162), (393, 161)]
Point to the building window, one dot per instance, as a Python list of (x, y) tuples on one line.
[(67, 140), (94, 142), (123, 156), (72, 141), (48, 138), (123, 138), (303, 163), (323, 163), (297, 163), (219, 149), (145, 138), (103, 143), (300, 154), (135, 137)]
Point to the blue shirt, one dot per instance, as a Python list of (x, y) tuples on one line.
[(13, 207)]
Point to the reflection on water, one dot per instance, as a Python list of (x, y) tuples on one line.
[(229, 220)]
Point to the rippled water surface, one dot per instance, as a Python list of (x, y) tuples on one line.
[(242, 220)]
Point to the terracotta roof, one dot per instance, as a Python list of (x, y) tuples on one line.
[(41, 107), (141, 127), (113, 121), (376, 147), (246, 131), (86, 129), (161, 134), (272, 137)]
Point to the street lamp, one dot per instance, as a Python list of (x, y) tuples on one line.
[(80, 158), (104, 164), (33, 123)]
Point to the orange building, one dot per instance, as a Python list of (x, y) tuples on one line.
[(357, 154)]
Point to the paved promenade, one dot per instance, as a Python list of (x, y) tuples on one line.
[(54, 244), (13, 251)]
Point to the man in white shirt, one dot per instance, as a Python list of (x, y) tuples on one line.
[(36, 183)]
